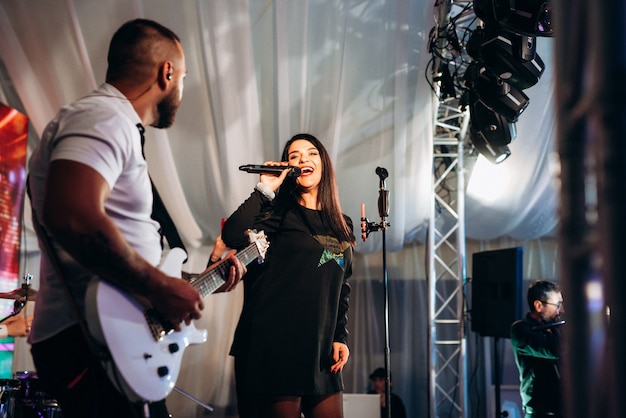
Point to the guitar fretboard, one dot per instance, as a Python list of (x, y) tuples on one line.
[(209, 282)]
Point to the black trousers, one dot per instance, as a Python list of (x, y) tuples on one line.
[(68, 371)]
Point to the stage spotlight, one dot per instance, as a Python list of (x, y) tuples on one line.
[(527, 17), (513, 58), (490, 132), (500, 96), (493, 154), (495, 93)]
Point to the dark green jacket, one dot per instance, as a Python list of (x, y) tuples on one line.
[(537, 353)]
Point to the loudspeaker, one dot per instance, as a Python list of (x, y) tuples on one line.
[(497, 298)]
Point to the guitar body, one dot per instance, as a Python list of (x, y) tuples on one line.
[(145, 353), (143, 368)]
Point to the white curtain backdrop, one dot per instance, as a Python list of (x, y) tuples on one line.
[(351, 72)]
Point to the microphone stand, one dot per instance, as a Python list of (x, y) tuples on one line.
[(366, 228), (193, 398)]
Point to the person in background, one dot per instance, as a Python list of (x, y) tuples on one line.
[(377, 382), (536, 341), (92, 199), (290, 345)]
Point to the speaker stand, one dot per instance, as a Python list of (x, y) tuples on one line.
[(496, 356)]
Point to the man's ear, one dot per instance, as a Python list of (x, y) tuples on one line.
[(537, 305), (165, 74)]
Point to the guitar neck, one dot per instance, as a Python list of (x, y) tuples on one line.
[(210, 281)]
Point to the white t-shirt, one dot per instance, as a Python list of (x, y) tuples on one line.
[(99, 130)]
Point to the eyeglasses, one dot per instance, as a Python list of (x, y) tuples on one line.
[(556, 305)]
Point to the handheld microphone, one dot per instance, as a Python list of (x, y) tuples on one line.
[(268, 169), (550, 325)]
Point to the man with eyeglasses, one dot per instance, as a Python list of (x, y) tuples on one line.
[(537, 349)]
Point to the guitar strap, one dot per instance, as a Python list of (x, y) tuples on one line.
[(159, 211)]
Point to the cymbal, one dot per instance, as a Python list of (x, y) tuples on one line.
[(18, 294)]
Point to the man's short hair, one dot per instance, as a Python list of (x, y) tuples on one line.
[(540, 290), (129, 49)]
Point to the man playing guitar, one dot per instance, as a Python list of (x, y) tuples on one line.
[(91, 195)]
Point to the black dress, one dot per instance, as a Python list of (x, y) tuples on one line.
[(295, 303)]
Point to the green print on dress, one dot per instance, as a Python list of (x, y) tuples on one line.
[(333, 250)]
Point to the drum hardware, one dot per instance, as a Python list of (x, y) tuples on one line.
[(28, 400), (23, 397), (24, 293), (21, 296)]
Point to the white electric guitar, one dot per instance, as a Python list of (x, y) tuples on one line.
[(146, 353)]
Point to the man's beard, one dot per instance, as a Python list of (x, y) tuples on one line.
[(554, 318), (167, 110)]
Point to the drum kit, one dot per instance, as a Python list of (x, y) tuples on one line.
[(22, 396)]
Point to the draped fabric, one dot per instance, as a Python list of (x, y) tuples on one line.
[(351, 72)]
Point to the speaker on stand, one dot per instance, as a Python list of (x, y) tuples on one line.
[(497, 300)]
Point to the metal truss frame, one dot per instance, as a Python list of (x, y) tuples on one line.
[(447, 274), (446, 232)]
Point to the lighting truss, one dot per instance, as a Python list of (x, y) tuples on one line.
[(446, 281), (446, 232)]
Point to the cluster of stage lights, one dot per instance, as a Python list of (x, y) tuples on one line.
[(504, 63)]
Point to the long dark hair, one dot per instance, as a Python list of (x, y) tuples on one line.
[(327, 196)]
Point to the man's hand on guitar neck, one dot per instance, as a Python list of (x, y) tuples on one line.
[(237, 269)]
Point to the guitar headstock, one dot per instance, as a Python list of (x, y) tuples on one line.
[(260, 240)]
